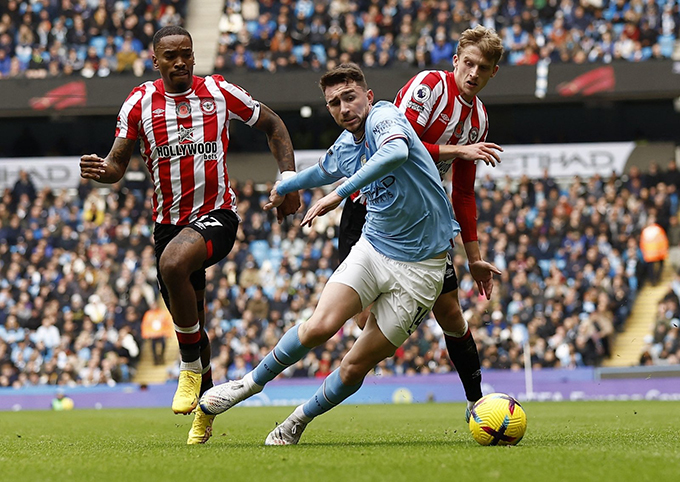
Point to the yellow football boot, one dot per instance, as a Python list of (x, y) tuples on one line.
[(201, 428), (186, 396)]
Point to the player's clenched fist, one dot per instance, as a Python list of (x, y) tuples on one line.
[(92, 166)]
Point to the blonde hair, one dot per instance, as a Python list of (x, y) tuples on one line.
[(485, 39)]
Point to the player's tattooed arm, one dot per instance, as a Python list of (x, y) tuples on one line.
[(277, 138), (281, 146), (112, 168)]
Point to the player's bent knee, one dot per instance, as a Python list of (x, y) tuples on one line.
[(313, 333), (169, 266), (353, 373), (173, 269)]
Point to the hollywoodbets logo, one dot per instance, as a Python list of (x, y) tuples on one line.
[(206, 149)]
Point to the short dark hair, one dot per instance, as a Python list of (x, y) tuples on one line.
[(170, 30), (343, 74)]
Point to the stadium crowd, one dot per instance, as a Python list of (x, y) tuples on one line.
[(662, 344), (90, 38), (52, 38), (283, 35), (77, 275)]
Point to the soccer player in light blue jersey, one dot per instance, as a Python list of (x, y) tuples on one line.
[(398, 264)]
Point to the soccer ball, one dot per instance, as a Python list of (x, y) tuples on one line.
[(497, 419)]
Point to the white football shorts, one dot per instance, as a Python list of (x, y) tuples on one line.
[(402, 293)]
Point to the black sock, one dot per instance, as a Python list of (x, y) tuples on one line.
[(189, 345), (465, 358), (206, 381)]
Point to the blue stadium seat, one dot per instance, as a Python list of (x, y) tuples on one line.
[(514, 57), (275, 257), (667, 44), (251, 26), (99, 43), (320, 52), (297, 51), (618, 29), (260, 250)]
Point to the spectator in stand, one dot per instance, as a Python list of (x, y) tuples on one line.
[(126, 57), (23, 186), (442, 50), (662, 346), (156, 327), (654, 246)]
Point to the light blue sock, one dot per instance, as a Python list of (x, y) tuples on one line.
[(330, 394), (286, 352)]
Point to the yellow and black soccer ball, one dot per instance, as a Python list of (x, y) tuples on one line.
[(497, 419)]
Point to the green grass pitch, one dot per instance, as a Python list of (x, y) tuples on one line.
[(567, 441)]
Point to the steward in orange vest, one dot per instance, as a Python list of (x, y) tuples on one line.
[(653, 243)]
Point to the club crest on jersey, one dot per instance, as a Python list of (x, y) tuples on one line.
[(422, 93), (363, 159), (458, 130), (208, 106), (474, 134), (183, 109)]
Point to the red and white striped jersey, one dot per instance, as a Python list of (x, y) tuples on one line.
[(183, 140), (432, 103)]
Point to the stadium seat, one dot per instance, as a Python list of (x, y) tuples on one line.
[(260, 250), (320, 52), (99, 43), (667, 44)]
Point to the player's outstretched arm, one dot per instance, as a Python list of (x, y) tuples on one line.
[(486, 151), (112, 168), (319, 208), (314, 176), (324, 205), (282, 149)]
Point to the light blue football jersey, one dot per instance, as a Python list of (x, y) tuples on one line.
[(409, 216)]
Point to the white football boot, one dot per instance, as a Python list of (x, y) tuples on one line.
[(221, 398)]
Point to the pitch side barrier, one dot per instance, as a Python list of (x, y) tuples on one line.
[(657, 383)]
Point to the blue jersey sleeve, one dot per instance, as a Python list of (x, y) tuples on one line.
[(390, 156), (331, 163), (385, 123), (313, 176)]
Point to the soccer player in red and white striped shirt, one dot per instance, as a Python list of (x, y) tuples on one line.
[(451, 120), (182, 122)]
